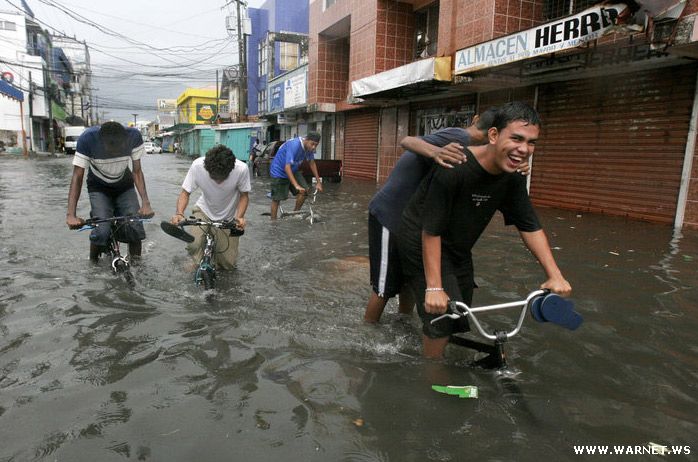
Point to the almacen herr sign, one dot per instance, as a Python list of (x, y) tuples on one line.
[(554, 36)]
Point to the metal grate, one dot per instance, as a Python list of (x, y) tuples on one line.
[(553, 9)]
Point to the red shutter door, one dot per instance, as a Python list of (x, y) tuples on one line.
[(614, 144), (361, 145)]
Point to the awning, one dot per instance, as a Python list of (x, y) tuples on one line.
[(412, 77), (57, 111), (9, 90)]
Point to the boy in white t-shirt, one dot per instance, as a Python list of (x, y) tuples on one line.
[(225, 185)]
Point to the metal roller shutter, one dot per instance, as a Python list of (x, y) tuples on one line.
[(614, 144), (361, 145)]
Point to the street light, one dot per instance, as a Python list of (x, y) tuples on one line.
[(134, 119)]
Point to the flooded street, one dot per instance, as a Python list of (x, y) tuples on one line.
[(279, 365)]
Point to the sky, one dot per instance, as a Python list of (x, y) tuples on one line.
[(143, 50)]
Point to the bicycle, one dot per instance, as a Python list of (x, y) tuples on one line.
[(120, 264), (309, 214), (543, 306), (206, 271)]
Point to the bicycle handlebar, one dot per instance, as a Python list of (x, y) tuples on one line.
[(460, 309), (90, 223), (231, 224)]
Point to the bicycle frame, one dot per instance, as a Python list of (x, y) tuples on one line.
[(119, 264), (206, 271)]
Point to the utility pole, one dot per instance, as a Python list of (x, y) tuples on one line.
[(134, 119), (242, 64)]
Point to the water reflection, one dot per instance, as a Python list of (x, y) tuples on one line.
[(279, 364)]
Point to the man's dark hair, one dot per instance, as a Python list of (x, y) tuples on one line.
[(219, 162), (516, 110), (114, 138), (313, 136), (486, 119)]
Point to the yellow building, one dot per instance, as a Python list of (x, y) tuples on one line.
[(197, 106)]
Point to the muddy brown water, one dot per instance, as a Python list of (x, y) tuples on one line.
[(279, 366)]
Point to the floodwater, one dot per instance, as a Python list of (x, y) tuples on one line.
[(279, 366)]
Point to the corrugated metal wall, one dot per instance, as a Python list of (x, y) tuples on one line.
[(361, 144), (614, 144), (238, 140)]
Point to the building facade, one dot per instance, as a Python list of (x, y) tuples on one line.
[(79, 99), (198, 106), (616, 89), (277, 69)]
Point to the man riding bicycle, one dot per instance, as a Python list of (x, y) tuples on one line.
[(225, 187), (107, 151)]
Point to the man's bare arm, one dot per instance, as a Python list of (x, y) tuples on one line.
[(537, 243), (139, 181), (73, 196)]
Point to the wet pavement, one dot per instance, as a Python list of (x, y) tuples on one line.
[(279, 366)]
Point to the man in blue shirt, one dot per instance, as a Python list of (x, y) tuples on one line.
[(106, 151), (285, 172)]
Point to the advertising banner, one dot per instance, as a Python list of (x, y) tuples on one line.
[(294, 91), (276, 98), (205, 112)]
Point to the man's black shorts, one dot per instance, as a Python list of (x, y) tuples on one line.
[(458, 288), (386, 273)]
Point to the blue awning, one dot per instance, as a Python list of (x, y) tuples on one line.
[(12, 92)]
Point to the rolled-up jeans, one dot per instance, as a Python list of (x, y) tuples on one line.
[(113, 205)]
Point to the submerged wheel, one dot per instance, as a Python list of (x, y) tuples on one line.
[(208, 279), (123, 269)]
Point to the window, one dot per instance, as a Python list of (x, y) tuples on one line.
[(426, 31), (262, 101), (261, 59), (553, 9), (288, 56), (7, 25), (329, 3)]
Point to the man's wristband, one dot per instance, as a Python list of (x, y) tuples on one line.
[(434, 289)]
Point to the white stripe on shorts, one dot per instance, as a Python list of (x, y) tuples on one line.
[(383, 275)]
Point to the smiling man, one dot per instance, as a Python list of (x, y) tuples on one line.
[(451, 209)]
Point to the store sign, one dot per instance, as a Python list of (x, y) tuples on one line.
[(205, 112), (564, 34), (294, 91), (276, 98)]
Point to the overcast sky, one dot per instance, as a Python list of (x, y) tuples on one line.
[(142, 50)]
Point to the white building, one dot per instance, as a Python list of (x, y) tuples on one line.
[(79, 102), (25, 123)]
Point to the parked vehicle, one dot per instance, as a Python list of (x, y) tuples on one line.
[(70, 138), (152, 148)]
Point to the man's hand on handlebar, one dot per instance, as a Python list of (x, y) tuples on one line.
[(177, 219), (559, 285), (74, 222), (436, 302), (146, 212)]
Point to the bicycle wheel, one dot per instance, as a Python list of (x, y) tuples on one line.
[(208, 279), (123, 269)]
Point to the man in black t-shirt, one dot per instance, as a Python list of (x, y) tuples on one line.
[(451, 209)]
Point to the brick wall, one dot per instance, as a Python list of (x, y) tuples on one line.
[(394, 35), (332, 69)]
